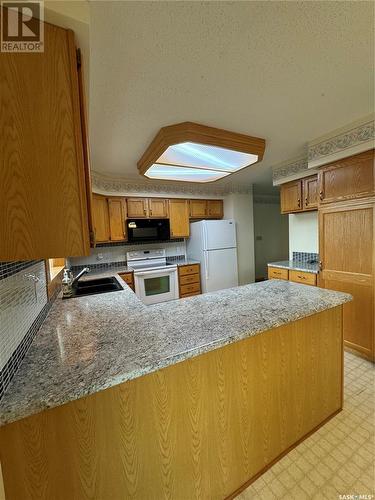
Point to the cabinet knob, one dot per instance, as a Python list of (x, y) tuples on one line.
[(321, 195), (306, 201)]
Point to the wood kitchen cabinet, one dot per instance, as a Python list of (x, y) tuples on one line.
[(43, 192), (346, 240), (310, 192), (300, 195), (137, 207), (157, 208), (198, 209), (147, 208), (346, 179), (189, 280), (291, 196), (179, 218), (206, 209), (109, 214)]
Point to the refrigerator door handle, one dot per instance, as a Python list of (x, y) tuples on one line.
[(206, 263)]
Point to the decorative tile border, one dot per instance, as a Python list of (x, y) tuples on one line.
[(353, 139), (290, 170), (104, 184), (113, 265)]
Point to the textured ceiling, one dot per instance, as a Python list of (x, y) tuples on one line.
[(285, 71)]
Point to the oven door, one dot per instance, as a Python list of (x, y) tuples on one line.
[(156, 286)]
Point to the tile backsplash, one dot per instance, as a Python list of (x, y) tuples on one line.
[(23, 306), (309, 257), (113, 254)]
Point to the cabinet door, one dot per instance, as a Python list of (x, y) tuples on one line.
[(158, 208), (179, 218), (347, 249), (100, 218), (310, 193), (346, 179), (116, 207), (198, 209), (43, 202), (215, 209), (137, 208), (290, 197)]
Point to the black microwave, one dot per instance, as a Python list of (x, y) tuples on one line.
[(148, 229)]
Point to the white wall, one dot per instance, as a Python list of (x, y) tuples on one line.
[(271, 235), (240, 208), (303, 233)]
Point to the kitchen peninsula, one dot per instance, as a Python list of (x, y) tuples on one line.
[(191, 398)]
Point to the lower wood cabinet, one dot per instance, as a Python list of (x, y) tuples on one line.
[(347, 252), (109, 214), (189, 280), (292, 275), (128, 278), (278, 273)]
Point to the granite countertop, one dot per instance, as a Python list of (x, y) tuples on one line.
[(296, 265), (182, 261), (91, 343)]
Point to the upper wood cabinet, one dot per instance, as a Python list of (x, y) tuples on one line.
[(158, 208), (179, 218), (43, 195), (215, 209), (137, 207), (100, 218), (300, 195), (291, 196), (310, 192), (109, 216), (350, 178), (206, 209), (198, 209), (117, 216)]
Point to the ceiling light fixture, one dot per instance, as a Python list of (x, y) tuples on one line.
[(191, 152)]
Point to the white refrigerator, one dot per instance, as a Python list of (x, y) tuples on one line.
[(213, 243)]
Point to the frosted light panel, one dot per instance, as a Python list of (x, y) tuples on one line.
[(190, 154), (171, 173)]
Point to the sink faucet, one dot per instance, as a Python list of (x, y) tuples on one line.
[(80, 274)]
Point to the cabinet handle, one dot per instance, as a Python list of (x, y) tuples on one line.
[(306, 201), (321, 195), (301, 277), (320, 265), (150, 211), (299, 203)]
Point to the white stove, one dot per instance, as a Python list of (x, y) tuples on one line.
[(155, 280)]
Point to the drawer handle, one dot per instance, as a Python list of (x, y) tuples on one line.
[(301, 277)]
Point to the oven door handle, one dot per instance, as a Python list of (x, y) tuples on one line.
[(157, 271)]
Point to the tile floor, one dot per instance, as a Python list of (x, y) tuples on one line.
[(339, 459)]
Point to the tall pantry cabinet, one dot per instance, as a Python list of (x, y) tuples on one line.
[(347, 247)]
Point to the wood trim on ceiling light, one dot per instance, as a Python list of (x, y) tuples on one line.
[(200, 134)]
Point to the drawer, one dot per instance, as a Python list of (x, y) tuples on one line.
[(189, 278), (301, 277), (184, 295), (127, 277), (277, 273), (192, 269), (194, 287)]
